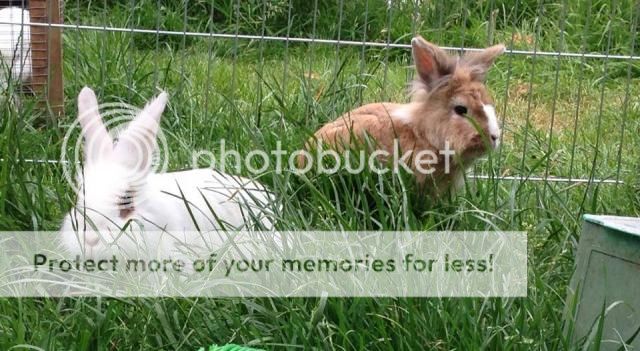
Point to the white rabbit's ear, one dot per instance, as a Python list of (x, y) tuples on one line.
[(97, 141), (137, 143), (431, 62)]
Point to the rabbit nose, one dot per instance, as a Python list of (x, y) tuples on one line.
[(91, 239), (495, 140)]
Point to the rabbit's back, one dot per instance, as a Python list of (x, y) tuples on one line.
[(375, 120), (213, 199)]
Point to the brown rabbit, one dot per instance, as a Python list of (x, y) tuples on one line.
[(450, 106)]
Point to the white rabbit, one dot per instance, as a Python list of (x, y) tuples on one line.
[(15, 45), (122, 205)]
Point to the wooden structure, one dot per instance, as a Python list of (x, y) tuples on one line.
[(46, 53)]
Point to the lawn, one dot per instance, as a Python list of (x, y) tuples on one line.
[(567, 117)]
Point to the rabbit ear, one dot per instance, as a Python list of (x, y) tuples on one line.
[(137, 143), (481, 61), (97, 141), (431, 62)]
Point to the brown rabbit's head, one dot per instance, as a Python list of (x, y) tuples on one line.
[(451, 102)]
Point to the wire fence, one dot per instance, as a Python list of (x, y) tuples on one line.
[(567, 89)]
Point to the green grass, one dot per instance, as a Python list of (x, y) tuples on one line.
[(261, 93)]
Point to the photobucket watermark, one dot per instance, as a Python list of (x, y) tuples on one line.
[(323, 160), (116, 118)]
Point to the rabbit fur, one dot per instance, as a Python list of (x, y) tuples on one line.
[(450, 105), (15, 46), (123, 205)]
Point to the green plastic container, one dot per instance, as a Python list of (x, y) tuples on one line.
[(607, 278)]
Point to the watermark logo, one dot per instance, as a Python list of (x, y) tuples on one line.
[(138, 146), (324, 160), (268, 264)]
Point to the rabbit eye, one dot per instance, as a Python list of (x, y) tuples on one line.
[(459, 109)]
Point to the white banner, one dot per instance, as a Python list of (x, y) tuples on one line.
[(259, 264)]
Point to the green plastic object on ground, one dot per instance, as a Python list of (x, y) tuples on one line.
[(229, 347)]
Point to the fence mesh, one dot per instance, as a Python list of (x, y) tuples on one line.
[(566, 91)]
